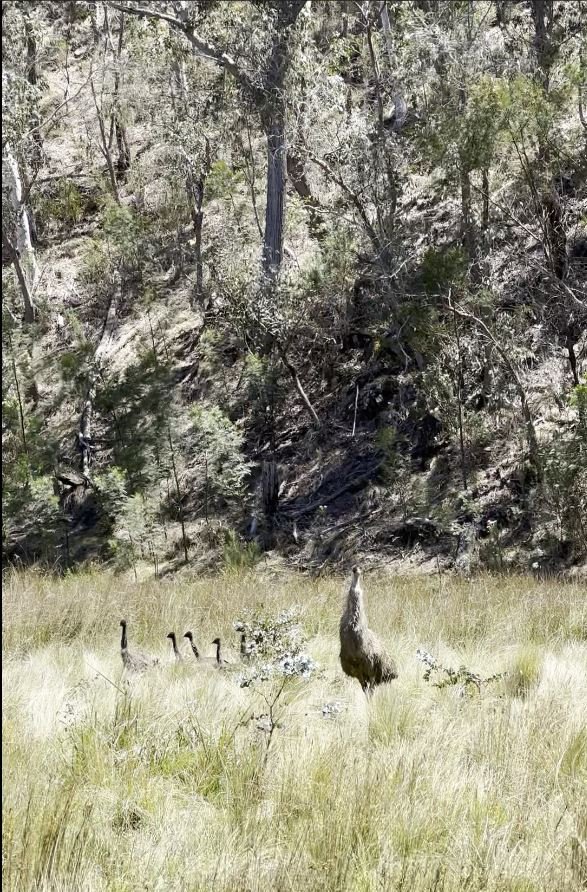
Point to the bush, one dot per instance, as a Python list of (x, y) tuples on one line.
[(238, 555), (221, 464)]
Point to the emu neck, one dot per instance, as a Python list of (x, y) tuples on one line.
[(123, 643), (174, 643), (218, 660), (357, 616)]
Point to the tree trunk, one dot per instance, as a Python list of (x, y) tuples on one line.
[(197, 191), (21, 248), (123, 162), (399, 103), (104, 145), (467, 224), (20, 405), (274, 126), (269, 98), (485, 197), (195, 184), (542, 14), (555, 236), (533, 447), (272, 110), (33, 78), (299, 180)]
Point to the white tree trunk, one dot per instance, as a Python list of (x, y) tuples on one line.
[(25, 253)]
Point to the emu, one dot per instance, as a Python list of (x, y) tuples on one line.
[(362, 655), (190, 638), (176, 653), (134, 662)]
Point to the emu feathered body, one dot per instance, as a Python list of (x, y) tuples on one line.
[(362, 655), (134, 662)]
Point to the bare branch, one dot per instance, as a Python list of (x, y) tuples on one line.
[(528, 420), (353, 197)]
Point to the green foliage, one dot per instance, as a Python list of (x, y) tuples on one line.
[(141, 414), (67, 207), (396, 468), (119, 245), (345, 51), (33, 522), (462, 677), (483, 122), (222, 180), (442, 268), (135, 530), (111, 491), (239, 556), (529, 111), (565, 488), (133, 520), (221, 465)]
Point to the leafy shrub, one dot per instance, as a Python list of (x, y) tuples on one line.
[(119, 244), (32, 518), (67, 207), (238, 555), (565, 486), (441, 268), (274, 646), (448, 677), (222, 180), (220, 460)]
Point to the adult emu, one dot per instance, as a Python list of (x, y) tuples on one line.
[(362, 655)]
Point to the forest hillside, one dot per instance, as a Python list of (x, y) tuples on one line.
[(295, 279)]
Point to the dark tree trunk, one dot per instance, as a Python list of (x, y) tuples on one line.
[(555, 236), (299, 180), (542, 13), (274, 126), (123, 162), (30, 309)]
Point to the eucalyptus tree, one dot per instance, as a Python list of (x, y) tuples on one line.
[(261, 75), (20, 143)]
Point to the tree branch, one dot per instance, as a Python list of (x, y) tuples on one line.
[(202, 47), (353, 197), (528, 420)]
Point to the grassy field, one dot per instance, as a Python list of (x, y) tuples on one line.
[(172, 781)]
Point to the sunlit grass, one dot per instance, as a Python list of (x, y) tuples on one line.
[(168, 781)]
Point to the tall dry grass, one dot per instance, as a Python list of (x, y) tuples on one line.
[(171, 781)]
